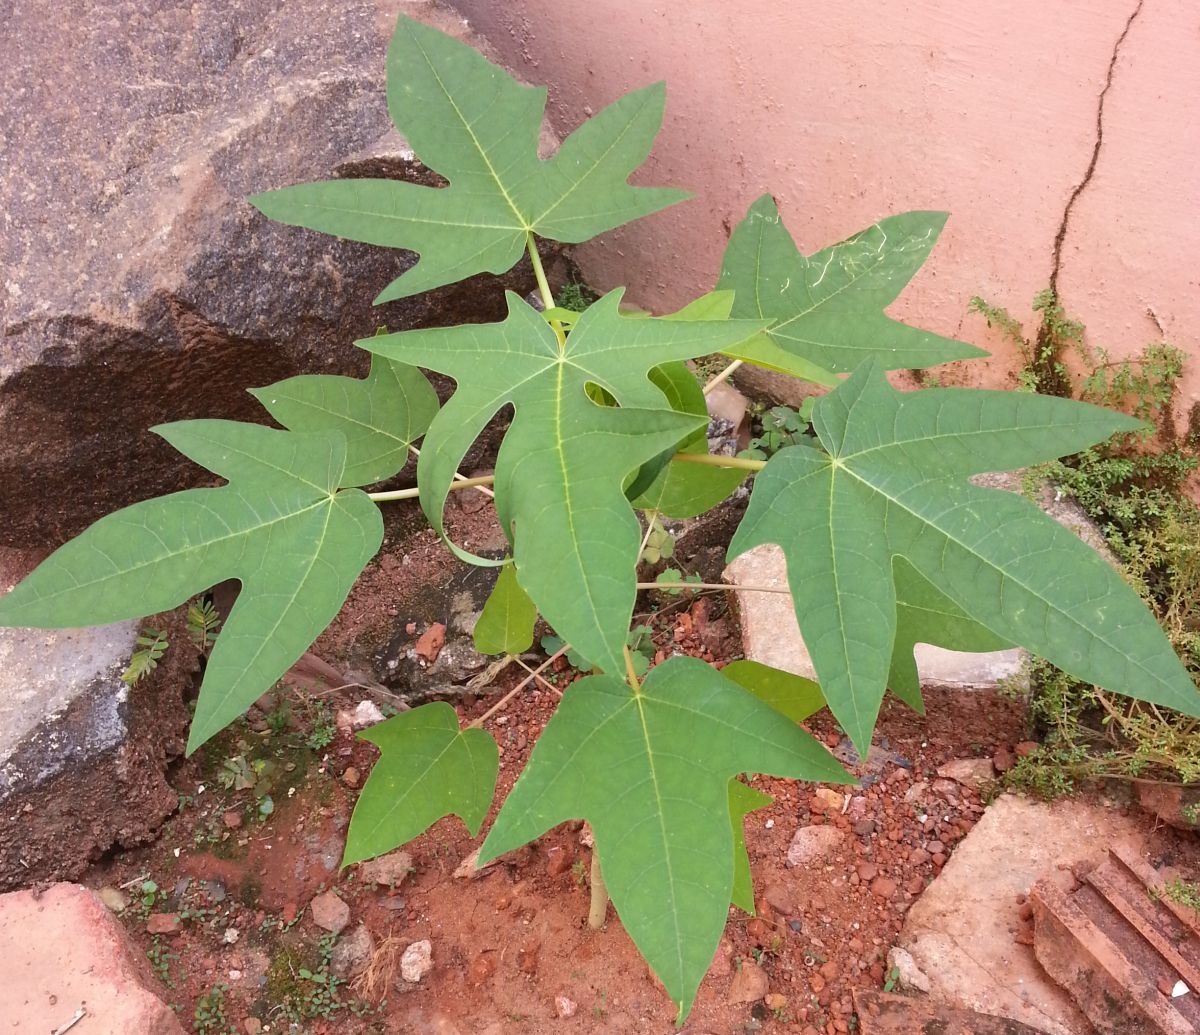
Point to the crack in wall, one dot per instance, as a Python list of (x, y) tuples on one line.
[(1061, 236)]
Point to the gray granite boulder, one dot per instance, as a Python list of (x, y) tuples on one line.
[(83, 756), (137, 286)]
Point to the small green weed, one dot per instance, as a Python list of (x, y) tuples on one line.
[(576, 296), (152, 644), (1183, 893), (1132, 487), (209, 1017), (203, 621), (782, 426), (237, 773), (321, 725), (660, 544), (893, 979), (160, 960)]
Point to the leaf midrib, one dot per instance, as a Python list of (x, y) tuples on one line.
[(280, 615), (206, 544), (525, 226), (1003, 574), (638, 701)]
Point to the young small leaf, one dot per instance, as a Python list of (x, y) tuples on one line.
[(564, 459), (151, 646), (794, 696), (506, 624), (380, 416), (428, 768), (470, 121), (829, 308), (893, 482), (203, 623), (680, 489), (743, 799), (279, 526), (651, 772)]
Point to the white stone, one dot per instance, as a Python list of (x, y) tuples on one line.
[(813, 845), (366, 714), (908, 974), (970, 772), (417, 961)]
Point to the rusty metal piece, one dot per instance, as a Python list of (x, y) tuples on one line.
[(1113, 942), (883, 1014)]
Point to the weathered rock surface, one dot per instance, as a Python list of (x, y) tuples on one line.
[(329, 912), (814, 845), (82, 755), (352, 953), (417, 961), (391, 869), (749, 984), (771, 634), (960, 932), (138, 286), (64, 952)]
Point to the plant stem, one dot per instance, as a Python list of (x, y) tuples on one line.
[(713, 460), (536, 673), (543, 284), (716, 379), (712, 585), (519, 687), (599, 907), (458, 477), (630, 674), (412, 494), (539, 271)]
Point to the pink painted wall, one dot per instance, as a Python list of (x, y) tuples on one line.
[(850, 111)]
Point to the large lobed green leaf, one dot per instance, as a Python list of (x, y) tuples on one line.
[(651, 772), (381, 416), (428, 768), (828, 308), (280, 527), (894, 483), (470, 121), (563, 463)]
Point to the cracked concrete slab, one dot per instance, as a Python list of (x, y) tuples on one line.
[(961, 931)]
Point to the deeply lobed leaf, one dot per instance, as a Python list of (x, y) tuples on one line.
[(564, 461), (381, 416), (829, 307), (651, 772), (893, 483), (280, 527), (473, 123), (428, 768)]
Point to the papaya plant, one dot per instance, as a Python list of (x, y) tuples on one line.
[(887, 540)]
